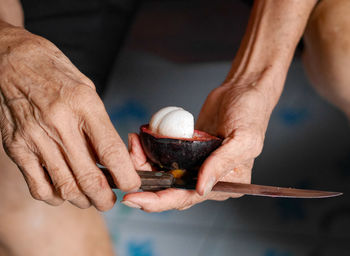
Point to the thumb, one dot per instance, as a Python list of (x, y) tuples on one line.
[(221, 162)]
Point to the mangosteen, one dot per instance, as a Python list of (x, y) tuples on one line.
[(171, 143)]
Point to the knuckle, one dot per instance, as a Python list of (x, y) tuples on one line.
[(93, 182), (68, 189), (107, 153), (55, 113), (83, 96), (40, 192), (84, 90)]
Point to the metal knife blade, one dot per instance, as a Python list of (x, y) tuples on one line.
[(155, 181), (271, 191)]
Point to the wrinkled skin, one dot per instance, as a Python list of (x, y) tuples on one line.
[(55, 127), (58, 121), (237, 111)]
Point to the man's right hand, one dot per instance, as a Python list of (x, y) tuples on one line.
[(54, 125)]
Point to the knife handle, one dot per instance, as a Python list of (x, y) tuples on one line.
[(150, 181)]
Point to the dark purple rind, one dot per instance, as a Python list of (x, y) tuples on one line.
[(170, 153)]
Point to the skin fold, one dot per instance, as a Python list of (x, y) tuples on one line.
[(54, 127), (239, 110), (35, 78), (54, 124)]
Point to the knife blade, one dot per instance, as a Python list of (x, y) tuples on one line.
[(271, 191), (155, 181)]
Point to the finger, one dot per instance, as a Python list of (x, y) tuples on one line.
[(222, 161), (137, 155), (60, 174), (111, 150), (37, 180), (170, 199), (28, 163), (88, 176), (163, 200)]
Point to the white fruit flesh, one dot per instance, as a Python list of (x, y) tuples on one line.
[(158, 116), (173, 122)]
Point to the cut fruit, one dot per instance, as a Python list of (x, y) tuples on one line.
[(178, 153)]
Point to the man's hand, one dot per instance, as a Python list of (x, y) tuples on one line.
[(55, 127), (237, 112)]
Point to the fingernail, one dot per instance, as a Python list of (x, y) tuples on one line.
[(209, 186), (131, 204)]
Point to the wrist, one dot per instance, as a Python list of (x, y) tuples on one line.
[(11, 11), (267, 48), (267, 80), (12, 37)]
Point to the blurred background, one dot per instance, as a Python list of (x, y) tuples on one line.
[(175, 53)]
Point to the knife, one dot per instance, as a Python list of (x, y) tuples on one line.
[(159, 180)]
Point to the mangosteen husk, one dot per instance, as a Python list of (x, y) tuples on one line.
[(169, 153)]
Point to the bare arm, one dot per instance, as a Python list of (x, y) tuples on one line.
[(11, 12), (251, 89), (273, 31), (239, 109)]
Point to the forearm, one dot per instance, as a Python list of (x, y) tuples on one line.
[(11, 18), (273, 31), (11, 12)]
